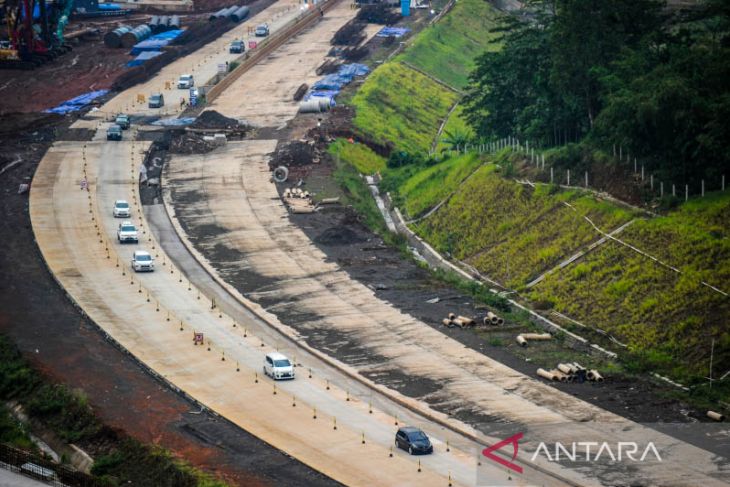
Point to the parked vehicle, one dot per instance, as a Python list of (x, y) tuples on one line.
[(123, 121), (156, 101), (121, 209), (142, 261), (277, 366), (114, 132), (262, 30), (236, 47), (185, 81), (413, 440), (127, 232)]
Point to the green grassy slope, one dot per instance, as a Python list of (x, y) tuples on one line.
[(401, 105), (359, 155), (455, 124), (447, 49), (426, 188), (513, 232), (651, 307)]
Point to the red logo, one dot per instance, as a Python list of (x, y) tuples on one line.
[(487, 452)]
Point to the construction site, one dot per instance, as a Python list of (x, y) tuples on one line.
[(235, 145)]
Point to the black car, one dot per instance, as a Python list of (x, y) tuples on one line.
[(114, 133), (236, 47), (413, 440)]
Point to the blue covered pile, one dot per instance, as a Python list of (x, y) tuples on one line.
[(78, 103), (143, 56), (155, 42), (330, 85), (393, 32)]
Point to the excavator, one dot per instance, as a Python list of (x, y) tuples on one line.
[(34, 32)]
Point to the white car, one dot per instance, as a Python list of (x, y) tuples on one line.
[(127, 232), (277, 366), (121, 209), (142, 261), (185, 81)]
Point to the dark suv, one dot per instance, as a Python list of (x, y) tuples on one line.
[(114, 133), (413, 440), (236, 47)]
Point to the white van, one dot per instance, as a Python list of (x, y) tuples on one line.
[(277, 366), (185, 81)]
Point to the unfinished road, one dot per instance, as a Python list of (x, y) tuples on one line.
[(328, 421), (232, 215)]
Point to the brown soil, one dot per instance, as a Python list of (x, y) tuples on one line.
[(89, 66)]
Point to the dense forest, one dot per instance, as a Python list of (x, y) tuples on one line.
[(605, 73)]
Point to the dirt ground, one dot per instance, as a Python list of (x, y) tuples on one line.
[(37, 316)]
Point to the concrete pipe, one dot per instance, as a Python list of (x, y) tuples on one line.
[(565, 369), (174, 22), (217, 14), (561, 377), (325, 103), (546, 375), (310, 106), (715, 416), (451, 316), (281, 174), (493, 319), (239, 14), (446, 322), (302, 209), (114, 38), (330, 201), (577, 367), (465, 320), (594, 376), (164, 23), (521, 341), (500, 321), (154, 22), (136, 35), (537, 336)]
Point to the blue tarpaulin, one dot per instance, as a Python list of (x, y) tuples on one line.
[(143, 56), (174, 122), (393, 32), (109, 6), (156, 42), (344, 75), (78, 103), (321, 94)]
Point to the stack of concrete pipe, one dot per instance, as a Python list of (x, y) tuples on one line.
[(114, 38), (570, 372), (461, 321), (315, 105), (492, 319)]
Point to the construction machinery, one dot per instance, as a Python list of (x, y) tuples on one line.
[(34, 32)]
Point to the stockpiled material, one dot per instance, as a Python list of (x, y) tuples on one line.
[(465, 320), (546, 375), (537, 336), (715, 416), (521, 341), (114, 38), (594, 376), (174, 23), (239, 14), (136, 35), (565, 368)]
